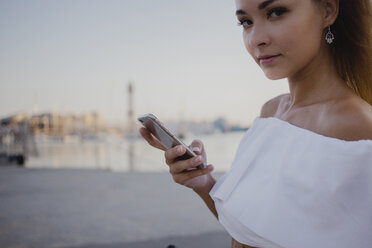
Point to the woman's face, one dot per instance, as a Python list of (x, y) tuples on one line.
[(282, 36)]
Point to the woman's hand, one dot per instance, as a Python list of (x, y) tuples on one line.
[(183, 171)]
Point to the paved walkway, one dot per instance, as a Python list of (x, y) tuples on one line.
[(93, 208)]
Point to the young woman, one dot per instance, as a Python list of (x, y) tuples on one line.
[(302, 176)]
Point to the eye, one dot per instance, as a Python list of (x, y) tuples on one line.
[(245, 23), (276, 12)]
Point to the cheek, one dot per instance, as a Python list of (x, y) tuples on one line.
[(246, 42), (247, 47), (303, 41)]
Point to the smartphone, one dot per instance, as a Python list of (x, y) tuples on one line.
[(167, 138)]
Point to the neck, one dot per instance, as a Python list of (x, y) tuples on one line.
[(318, 82)]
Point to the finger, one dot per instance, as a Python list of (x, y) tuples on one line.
[(173, 153), (185, 165), (197, 146), (151, 139), (182, 178)]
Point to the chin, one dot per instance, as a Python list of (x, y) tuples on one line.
[(274, 75)]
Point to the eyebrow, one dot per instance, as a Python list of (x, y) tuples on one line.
[(260, 7), (265, 4)]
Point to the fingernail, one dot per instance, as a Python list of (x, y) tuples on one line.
[(179, 149), (210, 167), (198, 159), (196, 149)]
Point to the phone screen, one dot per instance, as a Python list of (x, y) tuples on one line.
[(163, 136)]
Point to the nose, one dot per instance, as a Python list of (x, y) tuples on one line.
[(258, 36)]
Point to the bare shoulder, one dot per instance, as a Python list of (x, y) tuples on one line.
[(352, 120), (270, 107)]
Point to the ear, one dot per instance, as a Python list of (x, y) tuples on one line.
[(331, 8)]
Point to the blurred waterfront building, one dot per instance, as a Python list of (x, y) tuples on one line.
[(61, 125), (219, 125)]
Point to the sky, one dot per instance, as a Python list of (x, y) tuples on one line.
[(186, 60)]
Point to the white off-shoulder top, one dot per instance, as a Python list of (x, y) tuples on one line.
[(290, 187)]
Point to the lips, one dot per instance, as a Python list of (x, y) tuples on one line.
[(267, 59)]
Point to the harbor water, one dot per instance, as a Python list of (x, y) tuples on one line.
[(127, 154)]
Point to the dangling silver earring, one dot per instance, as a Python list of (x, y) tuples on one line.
[(329, 36)]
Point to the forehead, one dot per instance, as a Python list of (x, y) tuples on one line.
[(256, 4), (250, 4)]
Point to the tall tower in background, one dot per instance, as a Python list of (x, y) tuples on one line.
[(130, 109), (130, 131)]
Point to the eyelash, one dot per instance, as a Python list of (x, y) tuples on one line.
[(241, 23), (279, 10)]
